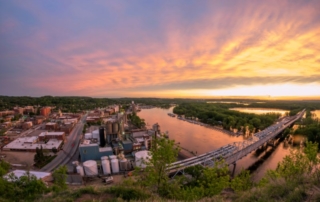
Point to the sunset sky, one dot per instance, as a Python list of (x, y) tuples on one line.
[(160, 48)]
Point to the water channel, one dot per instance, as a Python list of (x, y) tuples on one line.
[(201, 139)]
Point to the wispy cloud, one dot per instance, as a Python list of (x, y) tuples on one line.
[(106, 49)]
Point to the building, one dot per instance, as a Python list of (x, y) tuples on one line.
[(52, 135), (90, 150), (29, 109), (38, 120), (91, 119), (18, 110), (51, 126), (45, 111), (27, 125), (66, 128), (31, 143), (7, 112)]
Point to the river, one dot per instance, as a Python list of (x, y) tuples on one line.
[(201, 139)]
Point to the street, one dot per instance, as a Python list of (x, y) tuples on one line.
[(69, 148)]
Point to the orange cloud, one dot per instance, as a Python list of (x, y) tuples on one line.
[(235, 44)]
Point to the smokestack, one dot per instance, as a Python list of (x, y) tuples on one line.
[(102, 138)]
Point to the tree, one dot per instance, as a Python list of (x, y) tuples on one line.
[(54, 150), (155, 176), (60, 177), (39, 156)]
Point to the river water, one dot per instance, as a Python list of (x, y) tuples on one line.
[(201, 139)]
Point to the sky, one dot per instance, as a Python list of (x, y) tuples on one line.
[(167, 48)]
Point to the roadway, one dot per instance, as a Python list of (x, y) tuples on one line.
[(69, 148)]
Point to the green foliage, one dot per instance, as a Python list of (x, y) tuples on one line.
[(291, 168), (39, 156), (215, 179), (155, 176), (219, 114), (60, 176), (128, 193), (25, 188), (242, 181), (136, 120), (4, 167), (54, 150)]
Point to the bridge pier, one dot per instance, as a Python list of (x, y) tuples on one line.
[(271, 143)]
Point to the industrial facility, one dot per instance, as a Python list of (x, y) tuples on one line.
[(111, 149)]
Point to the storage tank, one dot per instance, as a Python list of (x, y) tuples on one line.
[(115, 165), (146, 143), (80, 170), (123, 164), (95, 134), (105, 165), (112, 157), (115, 128), (101, 135), (88, 136), (109, 128), (141, 158), (90, 168)]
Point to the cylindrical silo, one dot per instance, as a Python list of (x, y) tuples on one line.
[(105, 165), (141, 158), (115, 165), (109, 128), (88, 136), (101, 135), (80, 170), (115, 128), (146, 143), (112, 157), (95, 134), (123, 164), (90, 168)]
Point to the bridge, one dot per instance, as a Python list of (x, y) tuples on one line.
[(231, 153)]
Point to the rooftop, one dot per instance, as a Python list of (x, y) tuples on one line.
[(20, 173), (25, 144)]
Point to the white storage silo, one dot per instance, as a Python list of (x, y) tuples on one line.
[(90, 167), (115, 165), (95, 134), (80, 170), (146, 143), (115, 127), (88, 136), (123, 164), (141, 158), (105, 165)]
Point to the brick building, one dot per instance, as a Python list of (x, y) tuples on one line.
[(45, 111)]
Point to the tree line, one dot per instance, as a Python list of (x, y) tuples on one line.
[(219, 114)]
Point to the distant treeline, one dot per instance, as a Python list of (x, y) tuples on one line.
[(219, 114), (74, 103)]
